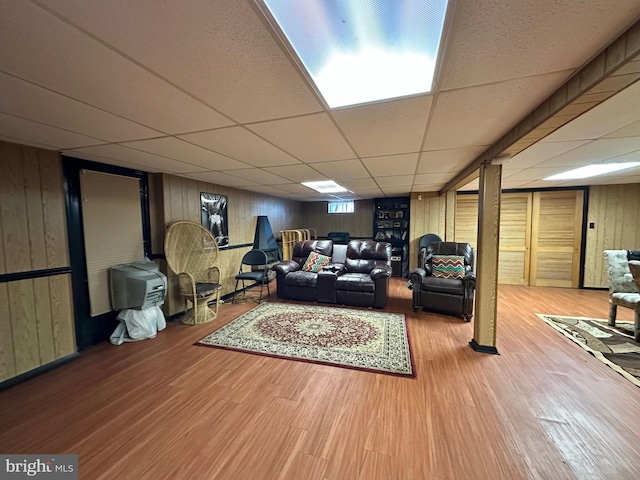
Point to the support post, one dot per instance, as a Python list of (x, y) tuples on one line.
[(484, 329)]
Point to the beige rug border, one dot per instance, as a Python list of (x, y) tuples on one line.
[(595, 353)]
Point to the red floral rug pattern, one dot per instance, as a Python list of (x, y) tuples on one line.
[(361, 339)]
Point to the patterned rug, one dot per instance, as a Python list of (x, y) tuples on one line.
[(612, 345), (359, 339)]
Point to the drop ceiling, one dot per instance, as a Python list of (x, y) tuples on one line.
[(204, 89)]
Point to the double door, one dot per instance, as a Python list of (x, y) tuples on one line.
[(540, 236)]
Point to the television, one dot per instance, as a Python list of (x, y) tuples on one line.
[(137, 285)]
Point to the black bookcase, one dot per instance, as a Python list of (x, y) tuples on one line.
[(391, 224)]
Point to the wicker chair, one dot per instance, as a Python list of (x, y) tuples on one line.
[(191, 253), (622, 289)]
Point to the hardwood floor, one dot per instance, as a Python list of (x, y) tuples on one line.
[(163, 408)]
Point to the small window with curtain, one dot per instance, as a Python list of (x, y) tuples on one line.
[(346, 206)]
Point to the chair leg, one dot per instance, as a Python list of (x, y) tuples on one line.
[(613, 310), (636, 326), (235, 290)]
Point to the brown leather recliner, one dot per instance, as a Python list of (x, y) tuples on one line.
[(364, 282), (357, 275), (294, 283), (448, 295)]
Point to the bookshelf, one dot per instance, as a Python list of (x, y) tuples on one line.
[(391, 224)]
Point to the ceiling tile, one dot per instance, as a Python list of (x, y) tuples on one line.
[(617, 112), (342, 170), (30, 143), (77, 154), (241, 144), (297, 173), (113, 83), (432, 178), (481, 115), (31, 102), (357, 184), (540, 152), (451, 160), (258, 175), (531, 174), (533, 38), (396, 191), (472, 185), (404, 164), (296, 188), (370, 193), (594, 152), (186, 152), (220, 52), (385, 128), (143, 160), (631, 130), (431, 187), (312, 138), (220, 178), (26, 130), (397, 181)]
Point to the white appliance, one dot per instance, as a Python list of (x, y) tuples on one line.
[(137, 285)]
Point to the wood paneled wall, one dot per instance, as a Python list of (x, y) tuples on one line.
[(36, 315), (176, 198), (358, 224), (614, 211), (427, 215)]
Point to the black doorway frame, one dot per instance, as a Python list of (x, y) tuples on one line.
[(91, 330)]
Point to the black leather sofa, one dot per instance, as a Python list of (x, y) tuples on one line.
[(357, 275), (448, 295)]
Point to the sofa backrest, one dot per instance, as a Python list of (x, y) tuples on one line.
[(364, 255), (301, 250)]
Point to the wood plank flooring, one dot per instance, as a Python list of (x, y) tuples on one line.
[(163, 408)]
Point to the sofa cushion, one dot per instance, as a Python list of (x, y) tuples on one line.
[(355, 282), (301, 278), (448, 266), (453, 286), (315, 261)]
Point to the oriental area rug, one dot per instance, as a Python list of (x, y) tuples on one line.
[(359, 339), (613, 346)]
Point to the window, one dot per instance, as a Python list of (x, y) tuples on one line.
[(347, 206), (360, 51)]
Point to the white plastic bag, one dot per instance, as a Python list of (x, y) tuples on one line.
[(138, 325)]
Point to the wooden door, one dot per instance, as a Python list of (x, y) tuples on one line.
[(466, 226), (556, 235), (515, 237)]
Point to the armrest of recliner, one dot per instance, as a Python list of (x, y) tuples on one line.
[(288, 266), (416, 277), (337, 268), (380, 272)]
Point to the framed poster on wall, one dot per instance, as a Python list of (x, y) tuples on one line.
[(214, 217)]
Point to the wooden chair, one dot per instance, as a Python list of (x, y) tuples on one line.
[(191, 253)]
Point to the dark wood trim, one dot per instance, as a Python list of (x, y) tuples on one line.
[(23, 377), (47, 272)]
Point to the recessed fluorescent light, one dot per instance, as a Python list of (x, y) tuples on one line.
[(360, 51), (327, 186), (592, 170)]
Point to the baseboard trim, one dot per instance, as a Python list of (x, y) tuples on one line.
[(483, 348), (23, 377)]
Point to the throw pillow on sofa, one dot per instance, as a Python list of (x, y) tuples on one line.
[(315, 262), (448, 266)]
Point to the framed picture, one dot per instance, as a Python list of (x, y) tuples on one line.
[(213, 214)]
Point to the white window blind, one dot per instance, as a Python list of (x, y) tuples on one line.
[(112, 220), (341, 207)]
